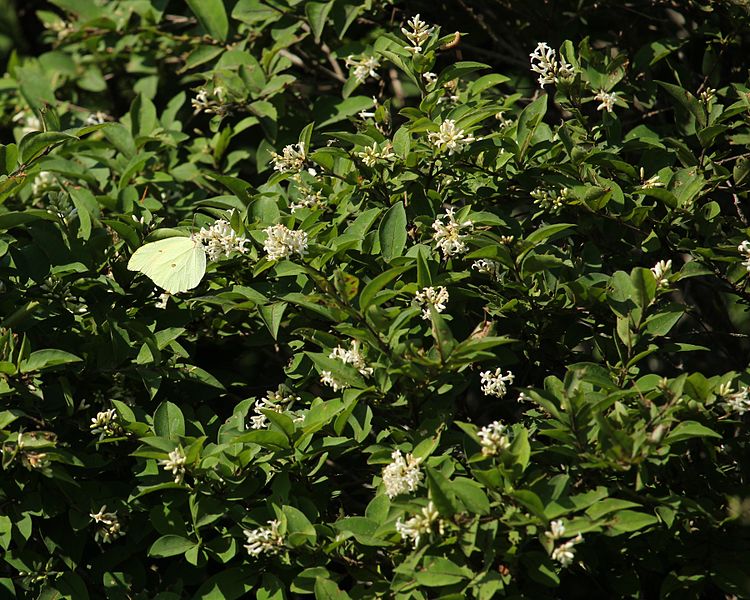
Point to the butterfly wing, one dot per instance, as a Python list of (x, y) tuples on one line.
[(175, 264)]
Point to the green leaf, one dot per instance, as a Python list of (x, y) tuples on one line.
[(687, 101), (441, 493), (689, 429), (212, 16), (168, 421), (367, 295), (471, 494), (34, 144), (439, 571), (626, 521), (228, 585), (528, 121), (325, 589), (392, 232), (45, 359), (170, 545), (317, 13)]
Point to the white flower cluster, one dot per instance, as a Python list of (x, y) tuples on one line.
[(662, 270), (402, 475), (551, 201), (220, 239), (744, 249), (327, 378), (282, 242), (97, 118), (353, 357), (276, 401), (431, 297), (108, 525), (735, 402), (210, 103), (104, 424), (557, 530), (493, 439), (651, 182), (565, 553), (495, 383), (42, 182), (417, 34), (489, 267), (449, 137), (309, 199), (364, 67), (291, 159), (176, 464), (607, 100), (28, 121), (264, 540), (544, 62), (447, 236), (371, 155), (420, 524)]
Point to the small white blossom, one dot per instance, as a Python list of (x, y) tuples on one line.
[(291, 159), (28, 121), (744, 249), (449, 137), (493, 439), (162, 301), (104, 424), (736, 402), (327, 378), (364, 67), (431, 297), (97, 118), (429, 77), (447, 236), (108, 525), (417, 34), (489, 267), (565, 553), (708, 95), (420, 525), (310, 199), (42, 182), (264, 540), (371, 155), (282, 242), (276, 401), (201, 101), (176, 464), (651, 182), (353, 357), (552, 201), (495, 383), (34, 460), (607, 100), (557, 530), (662, 271), (220, 239), (544, 62), (402, 475)]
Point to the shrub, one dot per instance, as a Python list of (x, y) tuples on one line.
[(300, 298)]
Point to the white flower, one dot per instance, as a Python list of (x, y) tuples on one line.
[(551, 201), (557, 530), (420, 525), (262, 540), (449, 137), (276, 401), (402, 475), (371, 155), (493, 439), (447, 236), (495, 384), (176, 464), (607, 100), (364, 67), (431, 297), (492, 268), (352, 357), (544, 62), (417, 35), (327, 378), (661, 271), (565, 553), (291, 159), (310, 199), (282, 242), (108, 525), (42, 182), (736, 402), (28, 121), (429, 77), (201, 101), (104, 424), (220, 239), (162, 301), (744, 249)]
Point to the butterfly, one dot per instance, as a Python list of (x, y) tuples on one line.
[(175, 264)]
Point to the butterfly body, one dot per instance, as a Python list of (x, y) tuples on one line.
[(175, 264)]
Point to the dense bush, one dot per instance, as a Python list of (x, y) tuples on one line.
[(458, 334)]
